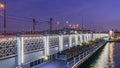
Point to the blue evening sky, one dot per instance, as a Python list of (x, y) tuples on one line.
[(98, 14)]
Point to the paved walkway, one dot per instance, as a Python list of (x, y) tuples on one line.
[(52, 64)]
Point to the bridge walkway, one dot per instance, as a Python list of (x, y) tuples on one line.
[(85, 52), (52, 64)]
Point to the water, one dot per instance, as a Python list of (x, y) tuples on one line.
[(106, 57)]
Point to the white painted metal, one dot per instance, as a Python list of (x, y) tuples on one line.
[(70, 42), (24, 56), (20, 51)]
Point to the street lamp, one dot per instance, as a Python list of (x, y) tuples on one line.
[(67, 24), (34, 21), (77, 26), (57, 25), (3, 6), (70, 25)]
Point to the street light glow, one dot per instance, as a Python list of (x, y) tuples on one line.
[(77, 25), (67, 22), (2, 5), (58, 22), (46, 58)]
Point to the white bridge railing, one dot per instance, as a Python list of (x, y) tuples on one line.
[(29, 48)]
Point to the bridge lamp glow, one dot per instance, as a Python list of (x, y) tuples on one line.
[(76, 32), (46, 58), (93, 40), (80, 44), (87, 42)]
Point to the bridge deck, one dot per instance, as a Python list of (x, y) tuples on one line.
[(29, 51), (63, 63), (52, 64)]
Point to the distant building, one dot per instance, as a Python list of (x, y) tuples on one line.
[(111, 34)]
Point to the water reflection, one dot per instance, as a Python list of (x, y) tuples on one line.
[(106, 57), (102, 60), (111, 55)]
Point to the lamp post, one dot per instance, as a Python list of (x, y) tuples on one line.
[(67, 23), (57, 25), (3, 6), (33, 28), (51, 24)]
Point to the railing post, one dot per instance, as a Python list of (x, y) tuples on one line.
[(83, 55), (20, 51), (70, 41), (67, 64), (74, 60), (86, 52), (79, 56)]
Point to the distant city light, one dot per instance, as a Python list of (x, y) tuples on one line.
[(74, 26)]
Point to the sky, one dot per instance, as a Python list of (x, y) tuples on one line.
[(99, 15)]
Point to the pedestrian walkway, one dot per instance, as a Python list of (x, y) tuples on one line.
[(52, 64)]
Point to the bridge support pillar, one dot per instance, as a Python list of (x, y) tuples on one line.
[(46, 42), (76, 39), (70, 42), (60, 43), (20, 52), (87, 37), (91, 37), (81, 39)]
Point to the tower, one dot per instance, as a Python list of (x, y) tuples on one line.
[(111, 34)]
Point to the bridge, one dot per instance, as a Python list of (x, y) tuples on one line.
[(25, 51)]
